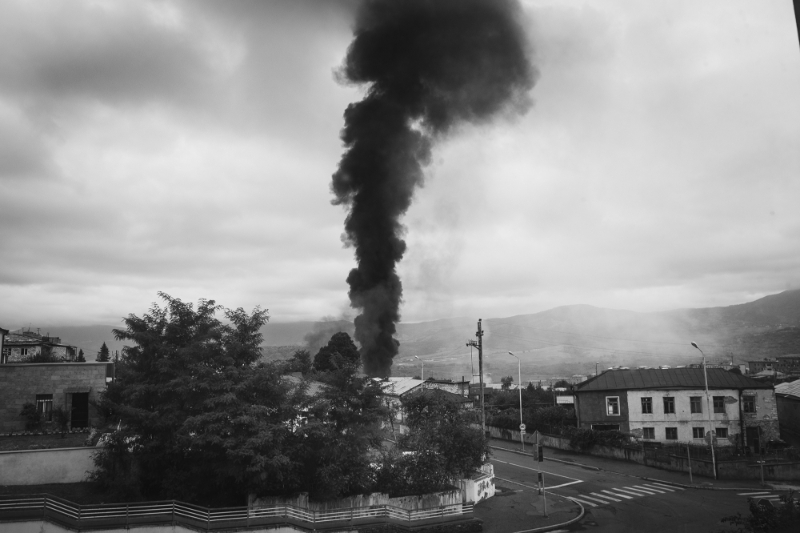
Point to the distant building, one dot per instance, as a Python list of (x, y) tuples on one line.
[(24, 346), (785, 364), (669, 405), (788, 398), (456, 387)]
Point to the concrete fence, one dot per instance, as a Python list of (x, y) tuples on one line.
[(39, 467), (728, 469)]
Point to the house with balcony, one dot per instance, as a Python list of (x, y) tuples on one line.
[(671, 406)]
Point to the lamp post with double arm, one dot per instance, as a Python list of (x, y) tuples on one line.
[(708, 408)]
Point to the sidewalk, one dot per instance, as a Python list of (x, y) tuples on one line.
[(637, 470), (515, 512)]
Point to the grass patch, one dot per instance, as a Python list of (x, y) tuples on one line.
[(42, 442)]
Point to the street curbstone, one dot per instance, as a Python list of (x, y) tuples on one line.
[(551, 527)]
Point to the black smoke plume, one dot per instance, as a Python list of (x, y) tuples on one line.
[(429, 65)]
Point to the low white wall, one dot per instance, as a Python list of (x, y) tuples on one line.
[(37, 467), (46, 527)]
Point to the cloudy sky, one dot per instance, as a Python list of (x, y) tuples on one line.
[(187, 147)]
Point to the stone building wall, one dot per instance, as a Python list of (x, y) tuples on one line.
[(20, 383), (766, 415)]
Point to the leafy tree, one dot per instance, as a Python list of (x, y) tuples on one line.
[(300, 362), (200, 420), (340, 352), (336, 445), (562, 383), (81, 358), (103, 355), (442, 445), (767, 517), (506, 382)]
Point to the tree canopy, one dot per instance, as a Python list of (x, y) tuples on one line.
[(340, 351), (103, 354), (201, 420)]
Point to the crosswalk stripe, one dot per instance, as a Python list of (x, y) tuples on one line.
[(629, 491), (599, 500), (673, 487), (752, 493), (617, 494), (656, 487), (582, 501), (606, 497), (648, 488), (649, 492)]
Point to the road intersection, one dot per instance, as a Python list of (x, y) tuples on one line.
[(627, 499)]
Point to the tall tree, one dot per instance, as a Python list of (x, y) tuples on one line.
[(340, 352), (506, 382), (200, 420), (80, 358), (103, 354)]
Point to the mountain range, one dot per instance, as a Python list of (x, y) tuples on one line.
[(567, 340)]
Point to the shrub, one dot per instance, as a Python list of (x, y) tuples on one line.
[(61, 418), (33, 418)]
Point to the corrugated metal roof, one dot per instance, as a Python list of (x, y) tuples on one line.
[(669, 378), (399, 386), (789, 389)]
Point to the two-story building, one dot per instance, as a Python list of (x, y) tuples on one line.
[(670, 405), (25, 346)]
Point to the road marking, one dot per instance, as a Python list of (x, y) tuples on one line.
[(673, 487), (594, 499), (606, 497), (629, 491), (650, 493), (573, 498), (617, 494), (656, 487), (536, 470), (753, 493), (516, 483), (648, 488)]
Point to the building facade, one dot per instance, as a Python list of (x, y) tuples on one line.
[(788, 398), (670, 405), (69, 386)]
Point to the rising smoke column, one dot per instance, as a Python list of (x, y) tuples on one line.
[(429, 65)]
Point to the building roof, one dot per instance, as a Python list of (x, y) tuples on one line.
[(791, 388), (669, 378), (399, 386)]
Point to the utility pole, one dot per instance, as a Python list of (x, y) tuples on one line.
[(479, 345)]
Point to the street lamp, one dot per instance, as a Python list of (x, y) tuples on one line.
[(595, 367), (708, 408), (423, 367), (519, 388)]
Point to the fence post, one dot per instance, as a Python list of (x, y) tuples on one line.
[(689, 457), (208, 518), (126, 515)]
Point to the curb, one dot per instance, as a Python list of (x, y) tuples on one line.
[(551, 527), (682, 485)]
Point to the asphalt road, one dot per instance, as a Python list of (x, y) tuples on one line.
[(613, 502)]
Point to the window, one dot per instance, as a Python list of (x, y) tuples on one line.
[(719, 404), (612, 405), (672, 433), (698, 433), (749, 404), (722, 433), (648, 433), (696, 404), (669, 404), (23, 351), (647, 406), (44, 405)]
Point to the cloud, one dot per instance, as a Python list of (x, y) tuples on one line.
[(188, 147)]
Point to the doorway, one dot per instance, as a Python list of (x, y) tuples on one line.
[(80, 410)]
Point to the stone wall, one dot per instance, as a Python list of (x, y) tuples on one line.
[(20, 383)]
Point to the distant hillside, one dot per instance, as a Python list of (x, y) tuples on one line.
[(559, 342)]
